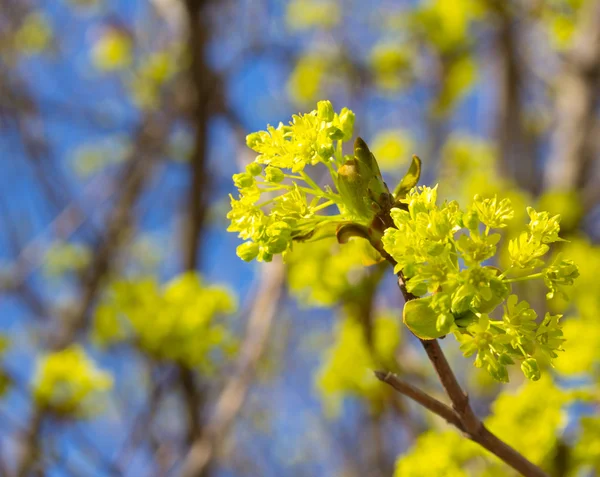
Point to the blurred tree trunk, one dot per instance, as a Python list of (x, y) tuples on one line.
[(574, 143), (515, 149)]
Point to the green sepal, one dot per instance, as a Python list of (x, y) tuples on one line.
[(421, 319), (346, 231), (361, 185), (369, 169), (465, 319), (318, 233), (410, 179), (366, 158), (353, 187)]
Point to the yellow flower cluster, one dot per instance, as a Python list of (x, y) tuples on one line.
[(350, 362), (177, 323), (68, 383)]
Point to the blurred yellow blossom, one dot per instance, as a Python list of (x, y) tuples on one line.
[(392, 65), (305, 14), (113, 50), (349, 364), (67, 382), (305, 82), (392, 149), (179, 322), (34, 35)]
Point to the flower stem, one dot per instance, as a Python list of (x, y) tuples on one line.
[(522, 279)]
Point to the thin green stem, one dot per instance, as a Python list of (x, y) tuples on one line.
[(290, 187), (317, 188), (306, 178), (323, 205), (522, 279), (505, 272), (266, 202), (314, 202), (333, 172), (338, 153)]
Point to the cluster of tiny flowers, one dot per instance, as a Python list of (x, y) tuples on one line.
[(68, 383), (188, 320), (442, 250), (278, 201)]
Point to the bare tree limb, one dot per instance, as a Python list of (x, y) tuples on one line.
[(119, 222), (234, 394), (421, 397)]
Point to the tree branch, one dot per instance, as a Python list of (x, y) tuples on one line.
[(421, 397), (462, 411)]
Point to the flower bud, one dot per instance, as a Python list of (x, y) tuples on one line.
[(326, 151), (530, 369), (369, 170), (264, 255), (347, 122), (243, 180), (247, 251), (254, 169), (498, 372), (273, 174), (279, 229), (325, 111), (470, 220), (335, 134), (254, 140), (505, 359)]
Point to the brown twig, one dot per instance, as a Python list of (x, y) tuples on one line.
[(421, 397)]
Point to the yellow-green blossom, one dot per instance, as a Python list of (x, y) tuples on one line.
[(67, 382)]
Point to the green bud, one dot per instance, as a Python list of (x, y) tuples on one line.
[(280, 234), (243, 180), (505, 359), (334, 133), (347, 122), (366, 160), (264, 255), (471, 220), (369, 170), (247, 251), (254, 169), (273, 174), (326, 151), (410, 179), (254, 140), (278, 229), (530, 369), (325, 111), (499, 372)]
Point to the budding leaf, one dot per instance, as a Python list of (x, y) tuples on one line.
[(369, 168), (421, 319), (410, 179)]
